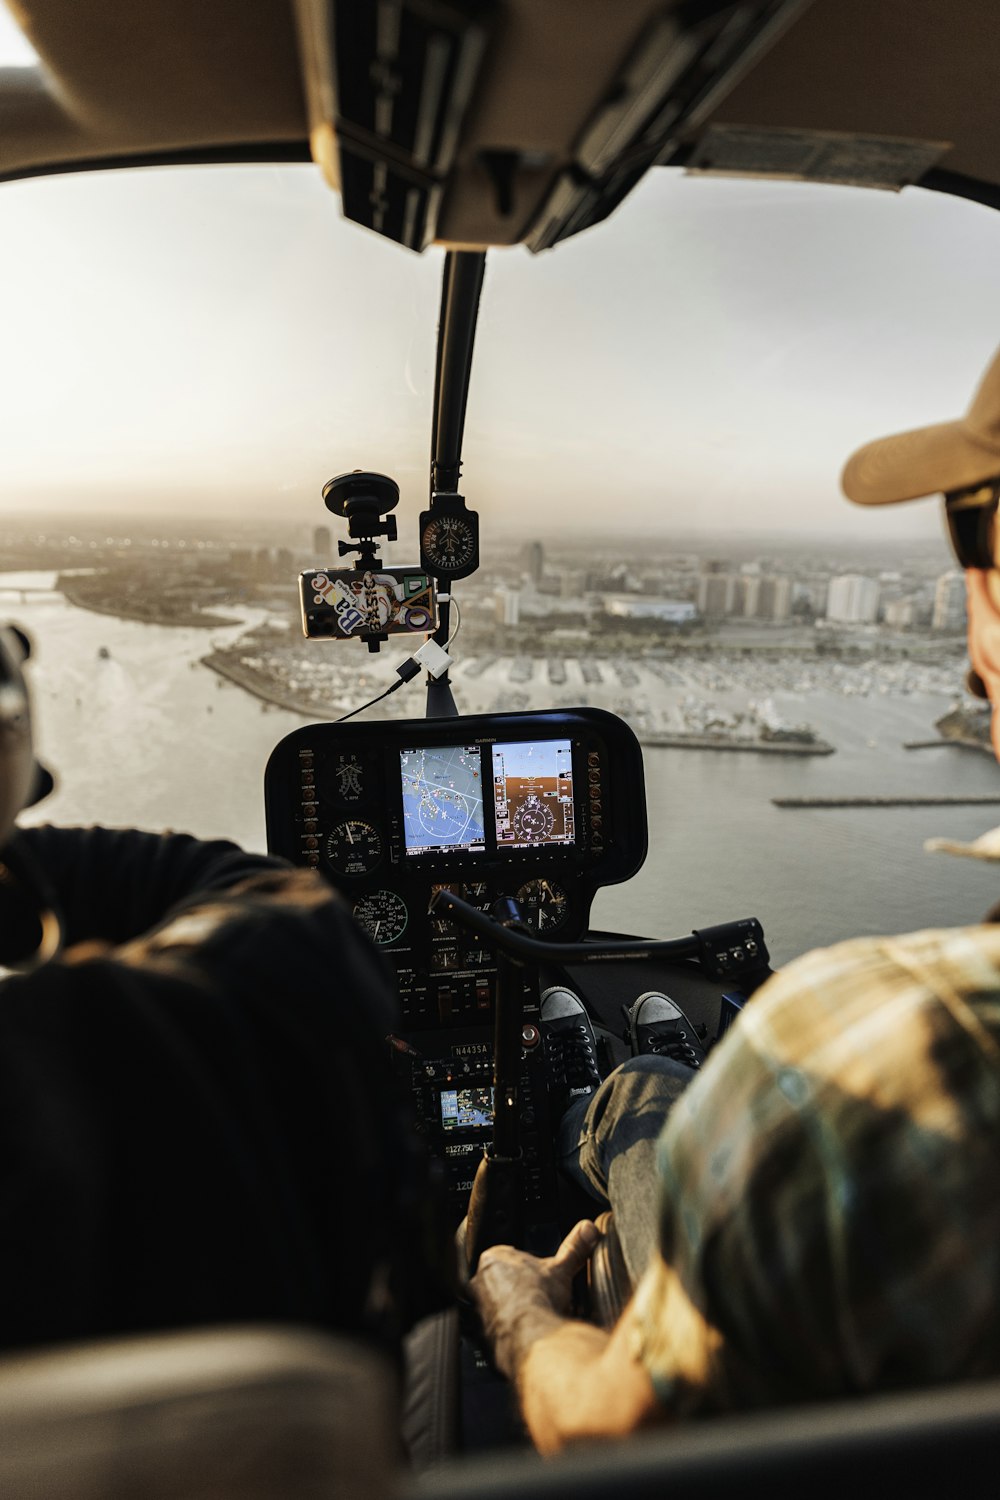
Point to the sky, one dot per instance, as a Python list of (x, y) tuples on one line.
[(220, 340)]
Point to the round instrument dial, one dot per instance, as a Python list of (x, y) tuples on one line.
[(546, 904), (384, 915), (448, 543), (534, 820), (353, 848)]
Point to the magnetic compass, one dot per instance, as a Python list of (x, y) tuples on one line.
[(449, 538)]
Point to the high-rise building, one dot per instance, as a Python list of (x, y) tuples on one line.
[(716, 595), (571, 583), (321, 544), (774, 598), (747, 599), (852, 599), (765, 596), (508, 606), (533, 560), (949, 601), (900, 613)]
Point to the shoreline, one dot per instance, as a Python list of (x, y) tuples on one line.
[(119, 610), (251, 683)]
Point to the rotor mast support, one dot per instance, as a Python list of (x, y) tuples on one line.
[(461, 287)]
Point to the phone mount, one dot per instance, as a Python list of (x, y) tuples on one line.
[(364, 499)]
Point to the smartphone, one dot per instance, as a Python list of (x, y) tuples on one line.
[(343, 604)]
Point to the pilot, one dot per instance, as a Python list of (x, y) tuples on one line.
[(826, 1221), (196, 1108)]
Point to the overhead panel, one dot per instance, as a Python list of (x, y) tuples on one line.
[(683, 63), (389, 83)]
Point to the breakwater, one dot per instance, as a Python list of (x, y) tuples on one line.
[(942, 801), (667, 741), (266, 689)]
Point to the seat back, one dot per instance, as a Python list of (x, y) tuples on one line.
[(228, 1414), (933, 1443)]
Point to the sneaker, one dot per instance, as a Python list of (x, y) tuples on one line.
[(656, 1024), (570, 1047)]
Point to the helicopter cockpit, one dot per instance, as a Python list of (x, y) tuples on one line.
[(492, 848)]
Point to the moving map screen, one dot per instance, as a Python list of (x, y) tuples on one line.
[(533, 794), (442, 799), (466, 1109)]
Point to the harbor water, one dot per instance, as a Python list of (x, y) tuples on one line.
[(139, 732)]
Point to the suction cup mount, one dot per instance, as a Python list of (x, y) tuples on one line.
[(363, 499)]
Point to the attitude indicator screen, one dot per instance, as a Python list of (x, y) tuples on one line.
[(533, 794), (442, 799)]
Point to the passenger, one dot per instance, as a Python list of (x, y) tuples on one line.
[(198, 1120), (827, 1218)]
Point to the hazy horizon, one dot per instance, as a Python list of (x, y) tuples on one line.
[(294, 531)]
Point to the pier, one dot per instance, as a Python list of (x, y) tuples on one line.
[(682, 741), (942, 801)]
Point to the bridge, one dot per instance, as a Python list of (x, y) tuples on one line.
[(23, 594)]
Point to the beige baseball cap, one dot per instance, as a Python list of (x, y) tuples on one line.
[(931, 460)]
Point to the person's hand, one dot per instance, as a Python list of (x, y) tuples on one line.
[(520, 1297)]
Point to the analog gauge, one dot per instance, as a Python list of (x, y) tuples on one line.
[(546, 905), (384, 915), (353, 848), (441, 925), (449, 541), (347, 773), (534, 820)]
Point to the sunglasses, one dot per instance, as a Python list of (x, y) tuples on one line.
[(971, 517)]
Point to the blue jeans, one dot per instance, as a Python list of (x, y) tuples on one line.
[(607, 1146)]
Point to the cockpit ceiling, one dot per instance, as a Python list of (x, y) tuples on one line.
[(490, 122)]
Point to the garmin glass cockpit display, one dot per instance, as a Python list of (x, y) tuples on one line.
[(529, 805)]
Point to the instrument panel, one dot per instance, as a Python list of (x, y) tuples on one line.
[(545, 807)]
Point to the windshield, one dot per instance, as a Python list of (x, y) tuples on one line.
[(658, 415)]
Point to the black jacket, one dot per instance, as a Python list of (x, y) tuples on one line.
[(200, 1125)]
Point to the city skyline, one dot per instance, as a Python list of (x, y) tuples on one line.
[(692, 579)]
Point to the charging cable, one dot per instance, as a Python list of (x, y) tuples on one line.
[(431, 658)]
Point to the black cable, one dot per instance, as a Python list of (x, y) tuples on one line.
[(407, 670), (390, 689)]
